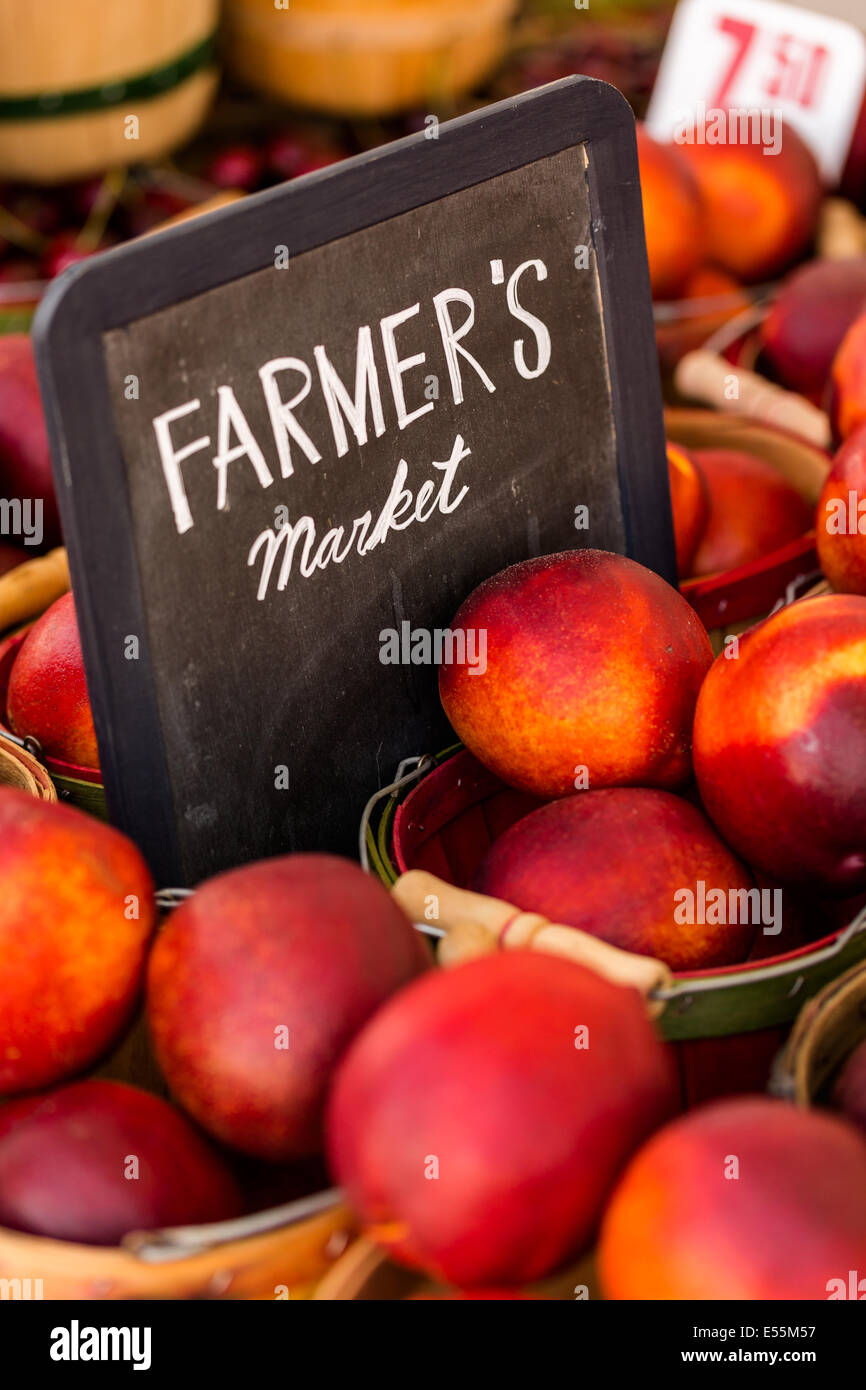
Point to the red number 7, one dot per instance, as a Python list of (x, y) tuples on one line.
[(743, 34)]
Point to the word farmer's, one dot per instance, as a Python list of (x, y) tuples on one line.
[(288, 382)]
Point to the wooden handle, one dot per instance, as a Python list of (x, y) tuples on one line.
[(841, 230), (706, 377), (29, 589), (477, 925)]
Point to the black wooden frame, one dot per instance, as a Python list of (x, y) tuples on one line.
[(139, 278)]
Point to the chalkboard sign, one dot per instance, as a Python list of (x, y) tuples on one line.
[(291, 437)]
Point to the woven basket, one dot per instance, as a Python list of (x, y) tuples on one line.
[(442, 814), (731, 601)]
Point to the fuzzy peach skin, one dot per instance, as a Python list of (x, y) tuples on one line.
[(848, 381), (593, 662), (479, 1121), (806, 324), (76, 912), (673, 216), (612, 863), (307, 943), (690, 504), (780, 744), (840, 520), (753, 511), (47, 695), (65, 1165), (761, 210), (744, 1199)]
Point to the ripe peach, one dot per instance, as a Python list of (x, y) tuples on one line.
[(848, 381), (257, 984), (592, 662), (849, 1088), (707, 300), (804, 327), (780, 744), (745, 1199), (479, 1121), (840, 522), (76, 912), (761, 209), (641, 869), (47, 695), (92, 1161), (690, 505), (673, 216), (753, 511), (25, 463)]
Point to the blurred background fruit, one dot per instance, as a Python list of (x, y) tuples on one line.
[(47, 693), (752, 511), (690, 505), (25, 461), (808, 320), (761, 213), (848, 380), (674, 217), (747, 1199), (840, 523), (780, 744)]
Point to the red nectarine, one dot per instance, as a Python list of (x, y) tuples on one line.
[(593, 668), (257, 984), (753, 511), (76, 911), (840, 522), (745, 1199), (47, 694), (92, 1161), (780, 744), (641, 869), (479, 1120)]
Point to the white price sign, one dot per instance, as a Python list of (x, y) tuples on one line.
[(759, 55)]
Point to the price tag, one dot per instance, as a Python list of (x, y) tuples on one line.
[(808, 69)]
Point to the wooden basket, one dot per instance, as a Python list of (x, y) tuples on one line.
[(19, 769), (365, 60), (80, 786), (827, 1030), (727, 1024), (731, 601), (202, 1262), (71, 74)]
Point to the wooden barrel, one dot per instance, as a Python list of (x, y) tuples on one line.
[(365, 60), (73, 74), (727, 1024)]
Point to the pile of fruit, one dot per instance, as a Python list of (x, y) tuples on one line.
[(493, 1120)]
